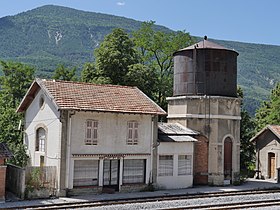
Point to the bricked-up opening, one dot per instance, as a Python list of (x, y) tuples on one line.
[(271, 165), (228, 158), (200, 166)]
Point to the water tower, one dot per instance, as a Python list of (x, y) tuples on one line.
[(205, 99)]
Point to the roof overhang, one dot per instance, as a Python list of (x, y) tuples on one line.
[(268, 127), (31, 94)]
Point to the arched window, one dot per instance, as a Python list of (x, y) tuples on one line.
[(40, 139)]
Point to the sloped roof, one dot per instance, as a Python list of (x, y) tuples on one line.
[(273, 128), (175, 129), (205, 44), (91, 97), (175, 132), (276, 130), (4, 151)]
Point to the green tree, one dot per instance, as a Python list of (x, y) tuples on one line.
[(16, 79), (269, 111), (92, 75), (247, 126), (14, 83), (88, 72), (114, 56), (156, 49), (63, 73), (142, 77)]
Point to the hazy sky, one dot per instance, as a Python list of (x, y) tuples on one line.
[(254, 21)]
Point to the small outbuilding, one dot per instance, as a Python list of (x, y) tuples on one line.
[(175, 156), (267, 143), (4, 154)]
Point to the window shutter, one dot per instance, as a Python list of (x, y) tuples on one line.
[(85, 173), (135, 133), (91, 134), (184, 165), (133, 171), (166, 165), (130, 133)]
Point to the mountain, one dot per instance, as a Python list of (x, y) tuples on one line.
[(50, 35)]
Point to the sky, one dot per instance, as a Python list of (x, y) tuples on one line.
[(253, 21)]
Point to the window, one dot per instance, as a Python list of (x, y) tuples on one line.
[(40, 139), (134, 171), (165, 165), (184, 165), (85, 173), (132, 133), (42, 102), (91, 132)]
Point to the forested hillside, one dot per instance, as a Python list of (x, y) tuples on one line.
[(52, 35)]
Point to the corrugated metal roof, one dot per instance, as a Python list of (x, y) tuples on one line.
[(175, 132), (175, 128), (92, 97)]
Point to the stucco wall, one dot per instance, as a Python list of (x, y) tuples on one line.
[(217, 118), (176, 181), (267, 143), (112, 133), (112, 136), (47, 117)]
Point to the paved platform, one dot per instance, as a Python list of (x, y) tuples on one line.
[(250, 184)]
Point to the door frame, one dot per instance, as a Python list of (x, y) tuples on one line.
[(228, 140), (114, 186), (271, 156)]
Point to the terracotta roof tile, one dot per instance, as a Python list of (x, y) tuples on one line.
[(276, 129), (92, 97)]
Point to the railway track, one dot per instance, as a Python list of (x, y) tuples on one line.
[(237, 205), (120, 202)]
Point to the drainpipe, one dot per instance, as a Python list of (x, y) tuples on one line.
[(68, 150), (151, 151)]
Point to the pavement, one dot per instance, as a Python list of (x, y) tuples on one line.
[(250, 184)]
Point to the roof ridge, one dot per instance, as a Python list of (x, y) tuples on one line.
[(87, 83)]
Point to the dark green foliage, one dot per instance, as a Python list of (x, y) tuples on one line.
[(247, 153), (63, 73), (247, 127), (115, 54), (142, 77), (88, 72), (14, 83), (156, 49), (269, 111)]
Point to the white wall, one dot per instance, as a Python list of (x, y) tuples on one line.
[(175, 149), (112, 133), (47, 117), (112, 136)]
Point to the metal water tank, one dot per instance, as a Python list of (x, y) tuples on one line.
[(205, 68)]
